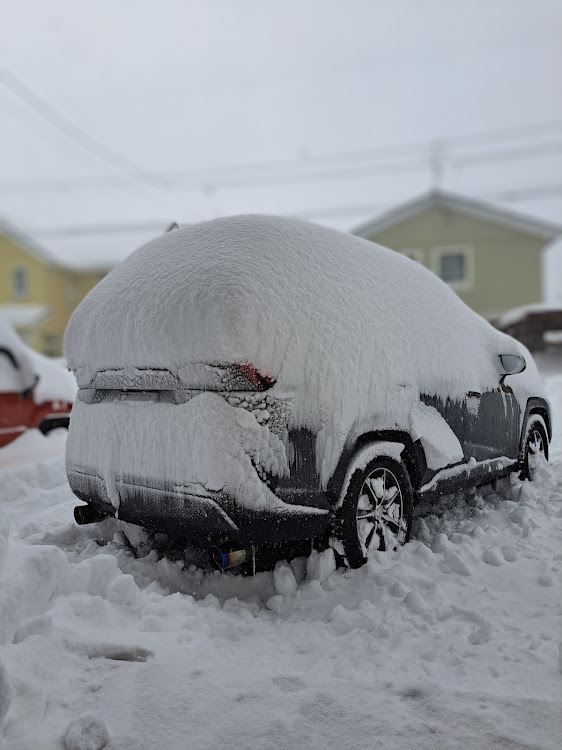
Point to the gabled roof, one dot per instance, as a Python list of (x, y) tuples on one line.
[(22, 315), (26, 243), (460, 204)]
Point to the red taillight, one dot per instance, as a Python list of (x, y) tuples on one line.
[(259, 381)]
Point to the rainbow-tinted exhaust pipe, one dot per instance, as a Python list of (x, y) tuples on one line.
[(220, 560)]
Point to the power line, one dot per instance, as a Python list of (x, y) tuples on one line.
[(47, 112), (348, 172), (230, 177), (78, 230)]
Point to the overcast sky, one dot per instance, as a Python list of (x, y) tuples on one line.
[(120, 112)]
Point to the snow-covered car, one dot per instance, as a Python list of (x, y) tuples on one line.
[(256, 379), (35, 392)]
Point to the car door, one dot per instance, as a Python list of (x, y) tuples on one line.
[(495, 430), (485, 423)]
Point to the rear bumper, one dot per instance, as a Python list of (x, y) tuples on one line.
[(198, 516)]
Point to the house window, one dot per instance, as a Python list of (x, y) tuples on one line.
[(452, 268), (52, 345), (20, 283), (455, 265), (414, 253)]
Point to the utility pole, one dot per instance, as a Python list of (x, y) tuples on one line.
[(436, 165)]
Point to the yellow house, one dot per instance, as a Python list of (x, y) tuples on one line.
[(37, 293)]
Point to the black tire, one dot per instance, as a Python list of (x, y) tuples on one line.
[(536, 439), (358, 534), (47, 425)]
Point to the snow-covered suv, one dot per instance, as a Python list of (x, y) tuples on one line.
[(256, 379)]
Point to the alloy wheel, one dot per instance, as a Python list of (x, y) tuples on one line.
[(380, 517)]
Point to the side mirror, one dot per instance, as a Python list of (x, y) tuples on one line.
[(512, 364), (28, 391)]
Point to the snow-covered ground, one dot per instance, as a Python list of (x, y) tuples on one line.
[(451, 642)]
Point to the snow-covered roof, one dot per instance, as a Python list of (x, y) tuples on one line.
[(23, 315), (461, 204), (518, 313), (28, 244)]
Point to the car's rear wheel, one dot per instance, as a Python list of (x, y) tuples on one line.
[(535, 445), (376, 512)]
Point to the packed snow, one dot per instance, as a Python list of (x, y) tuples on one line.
[(268, 291), (452, 641)]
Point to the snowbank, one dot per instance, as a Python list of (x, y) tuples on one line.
[(350, 328), (452, 639)]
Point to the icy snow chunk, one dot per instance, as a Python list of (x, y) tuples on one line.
[(320, 565), (521, 516), (40, 625), (509, 551), (398, 590), (123, 590), (439, 542), (456, 563), (492, 556), (3, 541), (440, 444), (275, 603), (284, 579), (103, 569), (481, 634), (414, 601), (5, 695), (546, 580), (86, 733)]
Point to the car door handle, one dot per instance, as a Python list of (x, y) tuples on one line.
[(474, 394)]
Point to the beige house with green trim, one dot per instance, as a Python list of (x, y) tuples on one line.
[(490, 256), (37, 293)]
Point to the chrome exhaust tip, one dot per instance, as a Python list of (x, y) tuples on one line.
[(84, 514), (219, 560)]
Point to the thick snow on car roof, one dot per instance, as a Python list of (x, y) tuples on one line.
[(350, 326)]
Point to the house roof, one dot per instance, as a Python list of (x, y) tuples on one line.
[(23, 315), (461, 204), (26, 243)]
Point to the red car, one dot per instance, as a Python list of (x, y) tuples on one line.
[(35, 392)]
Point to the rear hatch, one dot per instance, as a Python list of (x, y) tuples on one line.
[(209, 428)]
